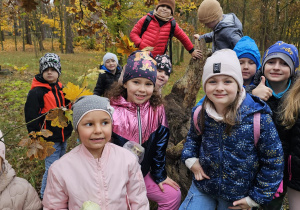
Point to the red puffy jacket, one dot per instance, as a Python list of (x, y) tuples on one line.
[(157, 37)]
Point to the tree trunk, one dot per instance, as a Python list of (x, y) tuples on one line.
[(182, 53), (27, 31), (61, 9), (16, 32), (178, 110), (23, 34), (68, 30), (244, 12), (38, 31)]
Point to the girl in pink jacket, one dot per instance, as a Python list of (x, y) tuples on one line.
[(95, 171), (140, 125)]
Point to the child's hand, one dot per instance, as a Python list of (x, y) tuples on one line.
[(262, 91), (198, 171), (196, 36), (197, 54), (240, 204), (170, 182)]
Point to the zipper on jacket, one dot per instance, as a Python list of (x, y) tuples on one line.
[(139, 124), (220, 156), (290, 167)]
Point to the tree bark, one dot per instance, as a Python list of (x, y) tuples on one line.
[(27, 31), (68, 30), (178, 110), (61, 21)]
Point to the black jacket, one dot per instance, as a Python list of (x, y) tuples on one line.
[(106, 79), (41, 98), (292, 151)]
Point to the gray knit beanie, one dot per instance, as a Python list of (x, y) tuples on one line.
[(86, 104), (110, 56), (223, 62)]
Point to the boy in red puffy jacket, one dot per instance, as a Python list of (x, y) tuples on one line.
[(158, 31)]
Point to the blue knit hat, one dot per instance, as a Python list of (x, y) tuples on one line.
[(247, 48), (140, 64), (286, 52)]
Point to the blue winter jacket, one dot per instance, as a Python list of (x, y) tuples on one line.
[(236, 167), (225, 34)]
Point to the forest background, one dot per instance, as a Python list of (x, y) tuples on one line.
[(81, 31)]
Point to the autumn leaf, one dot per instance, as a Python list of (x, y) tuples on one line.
[(60, 120), (68, 115), (24, 142), (33, 150), (73, 92), (46, 133), (124, 45)]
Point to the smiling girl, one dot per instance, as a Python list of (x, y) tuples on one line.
[(95, 171), (140, 119), (230, 169)]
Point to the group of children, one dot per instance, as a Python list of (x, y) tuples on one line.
[(244, 134)]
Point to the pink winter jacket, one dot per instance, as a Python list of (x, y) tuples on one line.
[(17, 193), (114, 181)]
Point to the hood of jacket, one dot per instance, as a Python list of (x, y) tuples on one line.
[(39, 81), (119, 68), (7, 176), (229, 20)]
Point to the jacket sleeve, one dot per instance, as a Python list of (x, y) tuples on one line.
[(136, 32), (136, 189), (271, 162), (100, 85), (32, 201), (158, 170), (183, 38), (192, 144), (208, 37), (158, 164), (32, 108), (54, 195)]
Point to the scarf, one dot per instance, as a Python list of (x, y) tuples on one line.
[(161, 17)]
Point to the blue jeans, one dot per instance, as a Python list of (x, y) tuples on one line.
[(60, 150), (196, 199)]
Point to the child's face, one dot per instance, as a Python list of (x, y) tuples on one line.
[(94, 130), (277, 70), (164, 11), (212, 24), (50, 75), (139, 90), (221, 90), (162, 78), (248, 67), (111, 64)]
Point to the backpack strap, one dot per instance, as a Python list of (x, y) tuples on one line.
[(195, 117), (173, 25), (256, 127), (145, 25)]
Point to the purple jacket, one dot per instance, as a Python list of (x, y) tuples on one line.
[(142, 124)]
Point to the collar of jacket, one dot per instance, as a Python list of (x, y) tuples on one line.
[(121, 102), (39, 81)]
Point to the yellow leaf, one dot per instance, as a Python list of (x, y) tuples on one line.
[(68, 115), (73, 92)]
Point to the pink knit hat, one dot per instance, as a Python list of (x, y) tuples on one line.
[(2, 147), (223, 62)]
